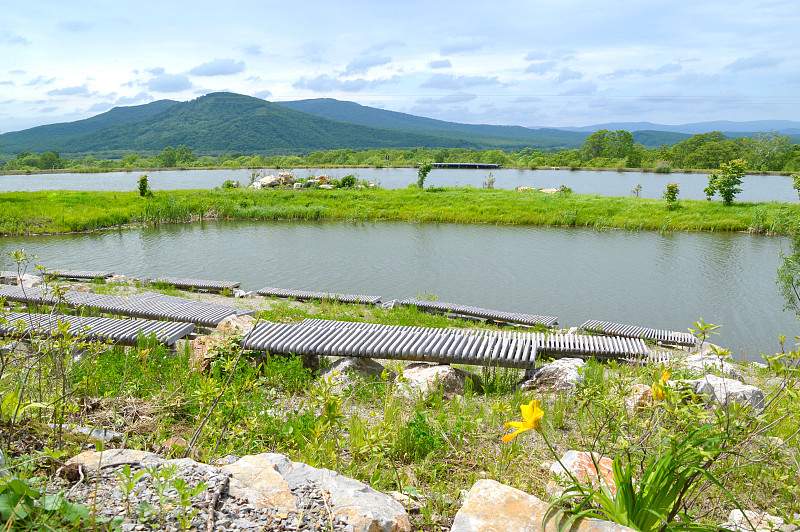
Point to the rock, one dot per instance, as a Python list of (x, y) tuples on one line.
[(639, 399), (267, 181), (273, 474), (326, 187), (236, 324), (548, 190), (392, 304), (759, 522), (491, 506), (558, 376), (241, 294), (285, 178), (261, 489), (29, 281), (423, 378), (83, 288), (727, 391), (343, 370), (201, 356), (297, 186), (582, 466), (703, 364), (411, 505), (103, 435)]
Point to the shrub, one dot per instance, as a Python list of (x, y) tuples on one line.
[(671, 194), (422, 173), (726, 182), (348, 181), (143, 186)]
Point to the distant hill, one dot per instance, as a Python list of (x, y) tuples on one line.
[(508, 137), (732, 129), (219, 123)]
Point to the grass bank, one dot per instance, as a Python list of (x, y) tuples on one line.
[(67, 211)]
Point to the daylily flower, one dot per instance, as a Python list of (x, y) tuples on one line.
[(658, 386), (531, 419)]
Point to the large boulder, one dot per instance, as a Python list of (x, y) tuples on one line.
[(259, 492), (711, 363), (424, 378), (491, 507), (267, 181), (720, 390), (561, 375)]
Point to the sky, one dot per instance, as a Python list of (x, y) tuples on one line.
[(518, 62)]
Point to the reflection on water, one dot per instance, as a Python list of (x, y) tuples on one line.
[(649, 279)]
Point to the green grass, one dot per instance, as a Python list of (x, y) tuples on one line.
[(64, 211)]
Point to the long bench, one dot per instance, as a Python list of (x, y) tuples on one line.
[(302, 295), (477, 312), (118, 331), (80, 274), (199, 284), (153, 307), (632, 331)]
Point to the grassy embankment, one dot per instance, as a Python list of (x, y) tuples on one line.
[(64, 211), (428, 447)]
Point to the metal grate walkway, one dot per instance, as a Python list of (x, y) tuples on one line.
[(118, 331), (321, 296), (477, 312), (156, 308), (80, 274), (632, 331), (200, 284)]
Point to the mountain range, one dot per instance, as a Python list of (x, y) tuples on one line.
[(226, 122)]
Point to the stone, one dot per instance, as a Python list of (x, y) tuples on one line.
[(343, 370), (29, 281), (326, 187), (424, 378), (726, 391), (236, 324), (297, 186), (759, 522), (548, 190), (561, 375), (391, 304), (711, 363), (104, 435), (201, 356), (582, 466), (639, 399), (494, 507), (267, 181), (285, 178)]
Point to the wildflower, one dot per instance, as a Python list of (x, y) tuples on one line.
[(658, 386), (531, 419)]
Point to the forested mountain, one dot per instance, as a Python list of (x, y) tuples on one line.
[(500, 136)]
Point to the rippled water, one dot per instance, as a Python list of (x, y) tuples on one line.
[(754, 188), (656, 280)]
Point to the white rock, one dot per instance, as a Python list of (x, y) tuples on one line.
[(342, 371), (561, 375), (423, 378), (727, 391), (703, 364), (759, 522)]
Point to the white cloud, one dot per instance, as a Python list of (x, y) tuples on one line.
[(440, 63), (169, 83), (754, 62), (362, 64), (452, 82), (218, 67)]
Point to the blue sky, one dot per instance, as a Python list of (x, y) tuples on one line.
[(530, 63)]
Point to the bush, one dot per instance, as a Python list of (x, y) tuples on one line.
[(726, 182), (144, 188), (422, 173), (671, 194), (348, 181)]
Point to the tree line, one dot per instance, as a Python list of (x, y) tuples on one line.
[(764, 151)]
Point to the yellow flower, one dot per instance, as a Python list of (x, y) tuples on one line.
[(531, 419), (658, 386)]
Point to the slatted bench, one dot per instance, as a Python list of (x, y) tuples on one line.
[(477, 312), (118, 331), (303, 295), (633, 331), (444, 346), (155, 308), (198, 284), (79, 274)]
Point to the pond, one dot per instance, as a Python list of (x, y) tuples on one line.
[(755, 188), (665, 281)]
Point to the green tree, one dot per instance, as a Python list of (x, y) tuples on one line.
[(595, 144), (184, 155), (766, 150), (168, 158), (50, 160), (618, 144), (422, 173), (671, 195), (726, 182)]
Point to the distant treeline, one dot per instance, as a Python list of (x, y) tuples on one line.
[(768, 151)]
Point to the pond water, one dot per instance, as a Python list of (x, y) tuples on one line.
[(657, 280), (755, 188)]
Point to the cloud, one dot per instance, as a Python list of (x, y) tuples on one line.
[(462, 45), (81, 90), (456, 97), (9, 37), (558, 53), (452, 82), (541, 67), (142, 97), (580, 89), (759, 60), (76, 26), (794, 79), (218, 67), (11, 83), (383, 46), (156, 71), (440, 63), (568, 74), (527, 99), (169, 83), (646, 72), (263, 94), (361, 65), (40, 80), (252, 49), (325, 83), (47, 109)]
